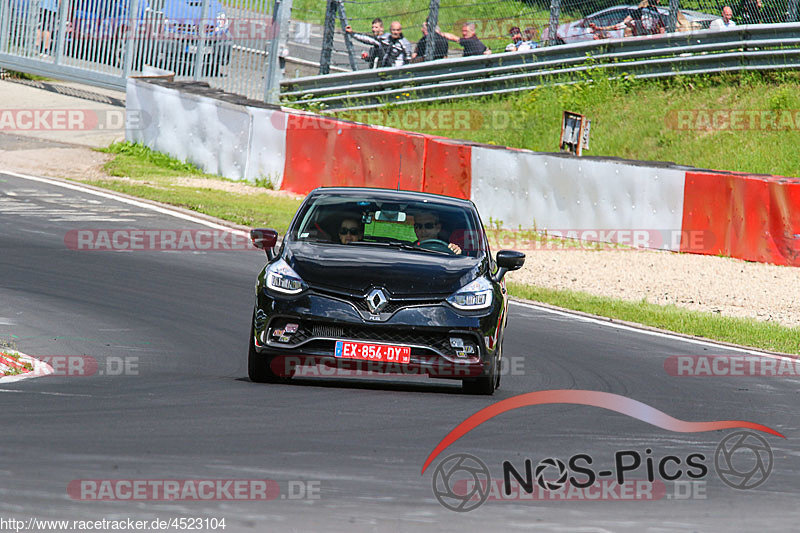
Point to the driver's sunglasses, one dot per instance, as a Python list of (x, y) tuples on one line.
[(351, 231), (426, 225)]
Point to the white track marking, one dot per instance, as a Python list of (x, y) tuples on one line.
[(665, 335), (129, 201)]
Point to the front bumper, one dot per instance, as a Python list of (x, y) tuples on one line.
[(443, 342)]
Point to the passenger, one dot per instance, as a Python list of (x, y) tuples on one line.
[(350, 230), (427, 227)]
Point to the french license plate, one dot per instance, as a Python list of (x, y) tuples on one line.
[(366, 351)]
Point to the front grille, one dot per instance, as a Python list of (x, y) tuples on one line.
[(391, 307), (320, 330)]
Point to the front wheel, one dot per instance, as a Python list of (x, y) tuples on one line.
[(259, 367), (484, 385)]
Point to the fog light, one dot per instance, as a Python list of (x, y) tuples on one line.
[(291, 328), (456, 342)]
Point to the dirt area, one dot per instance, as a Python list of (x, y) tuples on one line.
[(721, 285), (73, 163), (704, 283), (84, 164)]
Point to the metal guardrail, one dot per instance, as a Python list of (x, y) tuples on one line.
[(754, 47)]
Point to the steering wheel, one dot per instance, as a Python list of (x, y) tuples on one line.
[(437, 245)]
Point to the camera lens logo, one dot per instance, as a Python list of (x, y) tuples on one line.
[(554, 483), (457, 469), (743, 460)]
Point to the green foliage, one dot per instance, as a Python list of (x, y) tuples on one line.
[(634, 118), (255, 210), (140, 161)]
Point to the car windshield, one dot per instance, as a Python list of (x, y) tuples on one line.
[(422, 226)]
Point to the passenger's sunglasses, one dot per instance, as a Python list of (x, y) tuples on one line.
[(351, 231), (426, 225)]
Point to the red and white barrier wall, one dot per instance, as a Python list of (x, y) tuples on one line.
[(750, 217)]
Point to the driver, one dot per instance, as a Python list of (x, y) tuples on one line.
[(427, 227)]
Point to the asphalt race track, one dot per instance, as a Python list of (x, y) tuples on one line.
[(170, 399)]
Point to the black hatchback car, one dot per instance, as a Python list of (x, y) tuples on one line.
[(381, 281)]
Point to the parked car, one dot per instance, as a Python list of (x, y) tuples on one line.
[(580, 30), (382, 281)]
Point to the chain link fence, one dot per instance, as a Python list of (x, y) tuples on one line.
[(233, 45), (507, 25)]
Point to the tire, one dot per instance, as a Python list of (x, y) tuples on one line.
[(499, 367), (484, 385), (259, 368)]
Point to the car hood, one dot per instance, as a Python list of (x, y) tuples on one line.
[(358, 268)]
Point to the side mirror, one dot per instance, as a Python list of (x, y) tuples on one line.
[(508, 260), (266, 239)]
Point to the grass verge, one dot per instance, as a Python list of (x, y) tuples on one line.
[(155, 176), (746, 332)]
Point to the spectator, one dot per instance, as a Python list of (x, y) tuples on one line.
[(439, 45), (726, 22), (48, 10), (644, 20), (472, 45), (518, 43), (532, 36), (752, 12), (373, 56), (395, 50)]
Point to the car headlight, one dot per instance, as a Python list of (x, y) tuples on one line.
[(222, 21), (476, 294), (281, 278)]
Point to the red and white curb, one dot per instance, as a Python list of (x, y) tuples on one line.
[(7, 363)]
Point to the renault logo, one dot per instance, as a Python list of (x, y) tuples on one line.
[(376, 300)]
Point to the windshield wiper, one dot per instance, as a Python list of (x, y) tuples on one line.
[(401, 245)]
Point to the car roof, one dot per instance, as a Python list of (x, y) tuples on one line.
[(393, 195)]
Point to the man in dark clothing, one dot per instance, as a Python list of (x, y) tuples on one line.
[(439, 46), (472, 45)]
